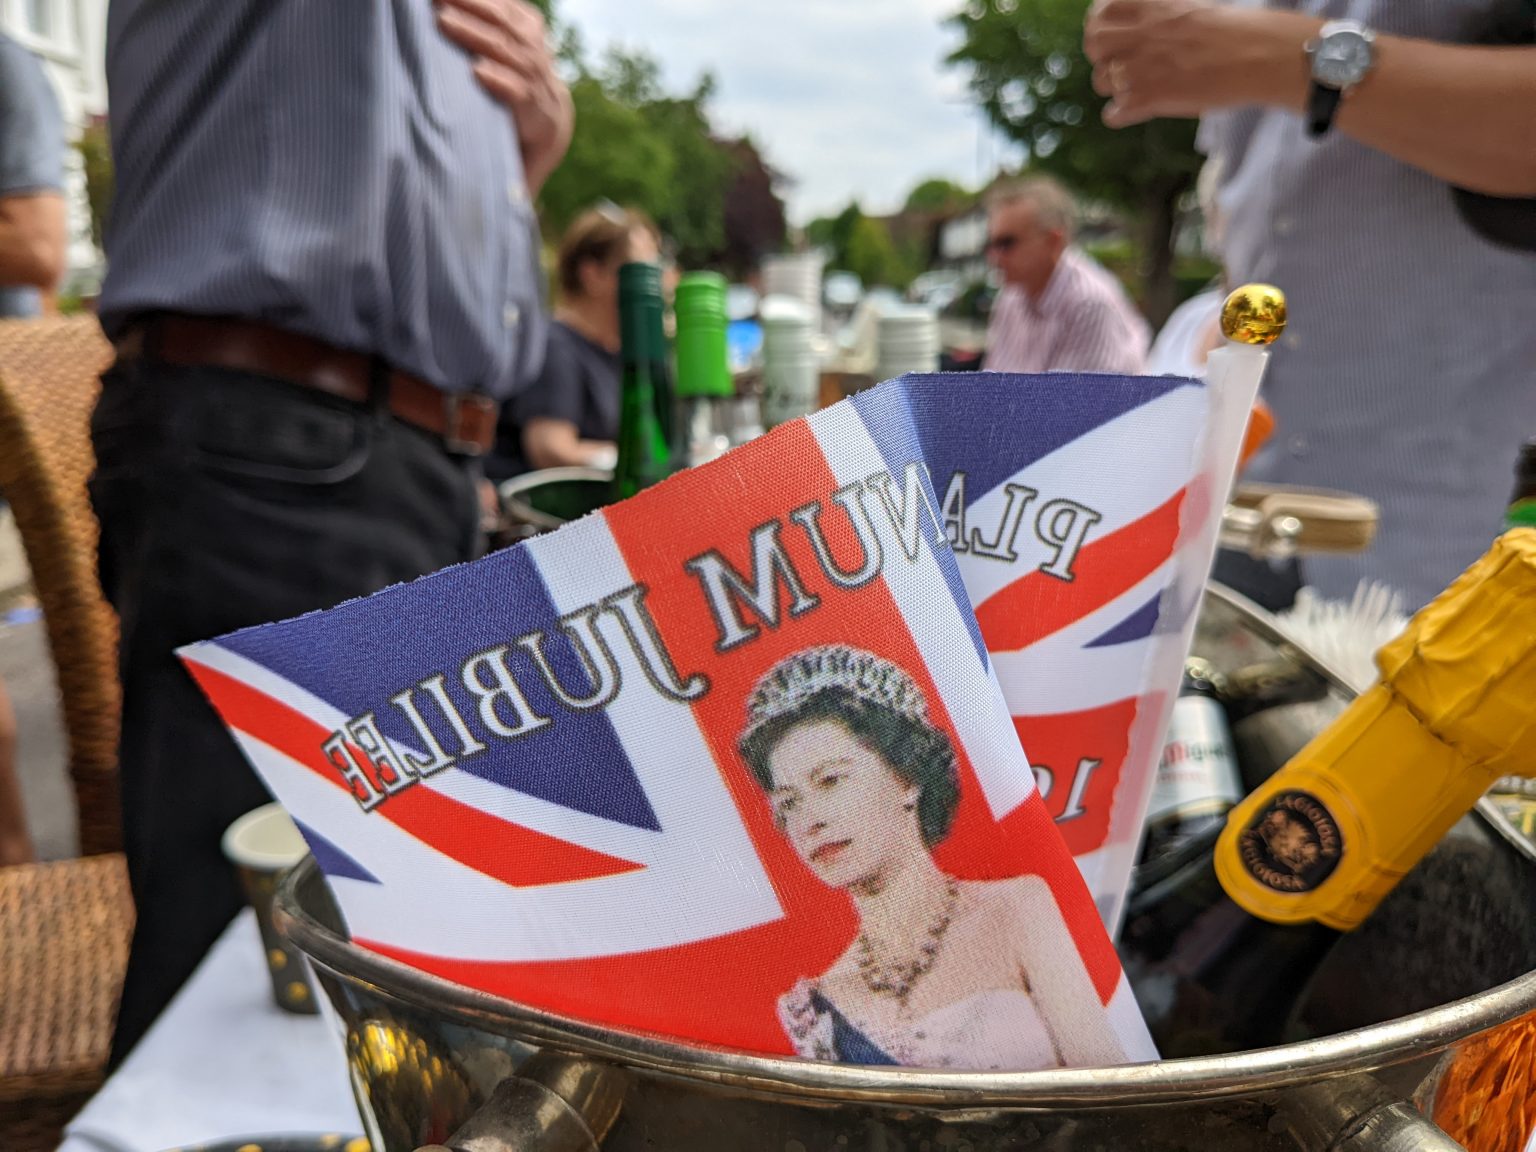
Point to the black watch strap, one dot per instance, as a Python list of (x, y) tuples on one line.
[(1322, 106)]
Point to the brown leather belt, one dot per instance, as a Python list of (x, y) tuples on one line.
[(464, 422)]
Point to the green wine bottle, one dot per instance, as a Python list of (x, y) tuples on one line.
[(643, 452)]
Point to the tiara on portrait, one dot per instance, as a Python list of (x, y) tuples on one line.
[(863, 675)]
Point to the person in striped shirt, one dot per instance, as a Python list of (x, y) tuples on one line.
[(1058, 311)]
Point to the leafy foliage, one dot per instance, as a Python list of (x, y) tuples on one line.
[(754, 212), (95, 148), (864, 246), (636, 145), (937, 195)]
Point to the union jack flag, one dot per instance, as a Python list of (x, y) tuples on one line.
[(522, 774), (1080, 508)]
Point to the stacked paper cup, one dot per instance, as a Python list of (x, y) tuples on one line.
[(791, 367), (908, 342), (797, 275)]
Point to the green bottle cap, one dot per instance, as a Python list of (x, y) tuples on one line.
[(639, 311), (1521, 514), (703, 362)]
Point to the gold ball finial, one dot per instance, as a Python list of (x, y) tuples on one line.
[(1254, 314)]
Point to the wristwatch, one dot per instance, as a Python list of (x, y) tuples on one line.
[(1342, 54)]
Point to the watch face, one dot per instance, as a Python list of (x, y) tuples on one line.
[(1342, 58)]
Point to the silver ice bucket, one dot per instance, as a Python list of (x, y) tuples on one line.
[(1412, 1020)]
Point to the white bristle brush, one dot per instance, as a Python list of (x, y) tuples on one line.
[(1346, 634)]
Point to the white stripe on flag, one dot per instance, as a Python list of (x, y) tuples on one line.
[(1059, 674), (934, 620), (630, 912), (1128, 1023), (1155, 443)]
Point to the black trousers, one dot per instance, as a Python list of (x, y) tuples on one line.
[(228, 499)]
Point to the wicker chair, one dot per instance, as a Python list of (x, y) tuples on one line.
[(64, 926)]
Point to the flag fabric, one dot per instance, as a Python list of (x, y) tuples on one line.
[(1080, 511), (529, 774)]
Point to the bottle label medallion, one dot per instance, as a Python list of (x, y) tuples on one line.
[(1293, 845)]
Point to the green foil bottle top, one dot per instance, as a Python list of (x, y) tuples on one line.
[(640, 311), (703, 363), (1522, 506)]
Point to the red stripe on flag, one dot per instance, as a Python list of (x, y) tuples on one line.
[(1084, 753), (1032, 608), (723, 990), (517, 856)]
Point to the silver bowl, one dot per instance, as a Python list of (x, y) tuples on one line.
[(1426, 994)]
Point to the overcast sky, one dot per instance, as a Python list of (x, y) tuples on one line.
[(850, 98)]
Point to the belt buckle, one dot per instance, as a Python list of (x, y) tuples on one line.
[(453, 438)]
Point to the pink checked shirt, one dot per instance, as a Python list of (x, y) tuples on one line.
[(1082, 322)]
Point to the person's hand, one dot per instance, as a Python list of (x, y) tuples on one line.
[(1182, 58), (490, 506), (512, 59)]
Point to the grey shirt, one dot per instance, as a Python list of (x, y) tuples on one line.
[(1408, 370), (31, 147), (332, 167)]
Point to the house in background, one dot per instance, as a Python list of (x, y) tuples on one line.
[(69, 36)]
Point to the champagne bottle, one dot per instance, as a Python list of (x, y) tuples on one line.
[(1221, 949), (704, 388), (1197, 781), (643, 455)]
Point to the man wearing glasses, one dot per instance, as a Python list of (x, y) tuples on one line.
[(1058, 310)]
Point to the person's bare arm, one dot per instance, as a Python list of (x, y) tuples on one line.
[(1464, 114), (32, 240), (557, 443)]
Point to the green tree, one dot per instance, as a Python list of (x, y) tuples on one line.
[(1029, 74), (636, 145), (95, 148), (614, 154), (703, 169), (937, 195), (835, 234), (872, 257), (754, 211)]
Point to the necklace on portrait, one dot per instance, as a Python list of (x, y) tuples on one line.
[(899, 978)]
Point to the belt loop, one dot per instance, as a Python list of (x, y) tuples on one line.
[(378, 384)]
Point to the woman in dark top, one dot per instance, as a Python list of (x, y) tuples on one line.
[(570, 414)]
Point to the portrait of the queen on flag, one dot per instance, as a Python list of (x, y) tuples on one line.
[(727, 761), (864, 787)]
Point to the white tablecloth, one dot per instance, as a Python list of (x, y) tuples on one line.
[(222, 1061)]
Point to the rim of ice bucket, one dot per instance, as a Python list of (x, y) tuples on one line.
[(1244, 1073)]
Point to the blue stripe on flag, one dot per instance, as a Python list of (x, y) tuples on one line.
[(577, 762), (887, 418), (1137, 626), (332, 860), (1063, 406)]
